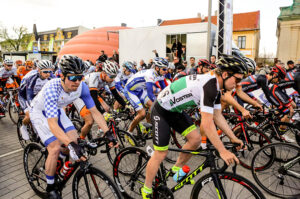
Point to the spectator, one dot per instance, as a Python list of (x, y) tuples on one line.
[(290, 66), (192, 69), (262, 70), (183, 56), (143, 65), (150, 63), (185, 64), (213, 61), (115, 56), (103, 57)]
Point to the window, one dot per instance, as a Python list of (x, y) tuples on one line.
[(242, 42)]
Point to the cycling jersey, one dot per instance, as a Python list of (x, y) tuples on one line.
[(292, 79), (192, 91), (53, 97), (5, 74), (255, 82), (22, 71), (121, 81), (282, 98), (30, 86)]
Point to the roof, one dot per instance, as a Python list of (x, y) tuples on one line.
[(290, 12), (241, 21)]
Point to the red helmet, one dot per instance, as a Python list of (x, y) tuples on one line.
[(280, 71), (203, 62)]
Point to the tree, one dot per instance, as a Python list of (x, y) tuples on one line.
[(18, 38)]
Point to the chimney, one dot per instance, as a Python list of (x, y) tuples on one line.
[(35, 32), (123, 24), (199, 15), (159, 21)]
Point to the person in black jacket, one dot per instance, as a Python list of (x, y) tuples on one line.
[(103, 57)]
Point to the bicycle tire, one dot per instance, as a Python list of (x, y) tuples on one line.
[(110, 190), (124, 139), (13, 112), (36, 174), (128, 183), (226, 177), (23, 142), (266, 167)]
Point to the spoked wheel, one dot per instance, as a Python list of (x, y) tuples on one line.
[(124, 139), (233, 187), (256, 139), (13, 112), (276, 169), (93, 183), (34, 165), (130, 171)]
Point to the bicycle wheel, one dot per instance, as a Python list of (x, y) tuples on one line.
[(257, 139), (124, 139), (13, 112), (270, 174), (129, 171), (23, 142), (34, 164), (94, 183), (232, 186)]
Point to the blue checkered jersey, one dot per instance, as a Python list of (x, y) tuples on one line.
[(52, 97)]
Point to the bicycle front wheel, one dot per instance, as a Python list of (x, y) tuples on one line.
[(231, 186), (93, 183), (13, 112)]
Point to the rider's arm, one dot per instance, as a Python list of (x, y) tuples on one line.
[(94, 94), (227, 97), (262, 81), (245, 97), (117, 96), (149, 87), (162, 84), (99, 119), (119, 86)]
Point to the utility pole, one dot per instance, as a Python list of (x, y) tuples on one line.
[(209, 43)]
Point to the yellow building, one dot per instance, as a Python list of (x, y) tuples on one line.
[(288, 33), (246, 30)]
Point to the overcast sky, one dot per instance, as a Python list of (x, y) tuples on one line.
[(51, 14)]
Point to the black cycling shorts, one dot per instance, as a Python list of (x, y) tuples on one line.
[(163, 120)]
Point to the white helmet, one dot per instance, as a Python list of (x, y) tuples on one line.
[(45, 64), (110, 68), (8, 62)]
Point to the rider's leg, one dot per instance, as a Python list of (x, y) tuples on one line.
[(51, 163), (26, 119), (193, 141), (148, 104), (88, 122), (139, 117)]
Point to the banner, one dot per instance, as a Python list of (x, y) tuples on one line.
[(51, 42), (228, 24)]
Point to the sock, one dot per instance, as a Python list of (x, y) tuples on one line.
[(82, 137), (147, 190), (50, 183), (175, 169)]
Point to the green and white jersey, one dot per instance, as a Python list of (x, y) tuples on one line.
[(192, 91)]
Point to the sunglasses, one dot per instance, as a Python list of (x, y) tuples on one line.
[(164, 69), (9, 65), (237, 79), (111, 76), (74, 78), (47, 71)]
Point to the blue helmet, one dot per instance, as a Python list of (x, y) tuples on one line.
[(160, 62), (128, 65)]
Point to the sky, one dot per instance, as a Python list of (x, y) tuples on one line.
[(51, 14)]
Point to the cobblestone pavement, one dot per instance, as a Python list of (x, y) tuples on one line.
[(13, 183)]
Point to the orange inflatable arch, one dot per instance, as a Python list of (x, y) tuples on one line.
[(88, 45)]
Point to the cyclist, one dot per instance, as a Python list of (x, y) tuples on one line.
[(50, 121), (31, 85), (202, 91), (7, 80), (139, 89), (23, 70), (122, 77), (97, 81)]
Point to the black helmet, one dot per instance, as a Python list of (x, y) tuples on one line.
[(232, 64), (71, 64), (251, 64)]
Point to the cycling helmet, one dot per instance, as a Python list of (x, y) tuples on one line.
[(134, 63), (128, 65), (71, 64), (8, 62), (171, 66), (279, 70), (160, 62), (251, 64), (45, 64), (19, 62), (110, 68), (232, 64), (203, 62), (180, 75), (29, 63), (87, 65)]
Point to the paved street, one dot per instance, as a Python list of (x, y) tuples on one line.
[(13, 183)]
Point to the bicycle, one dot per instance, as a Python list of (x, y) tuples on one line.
[(32, 135), (275, 168), (11, 104), (88, 181), (129, 174)]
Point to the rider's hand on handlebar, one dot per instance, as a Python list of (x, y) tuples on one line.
[(246, 114), (229, 157), (240, 142), (111, 137), (76, 152)]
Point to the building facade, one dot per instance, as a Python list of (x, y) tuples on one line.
[(288, 32), (246, 30)]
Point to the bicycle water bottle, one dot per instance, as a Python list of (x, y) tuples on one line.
[(181, 173), (64, 170)]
